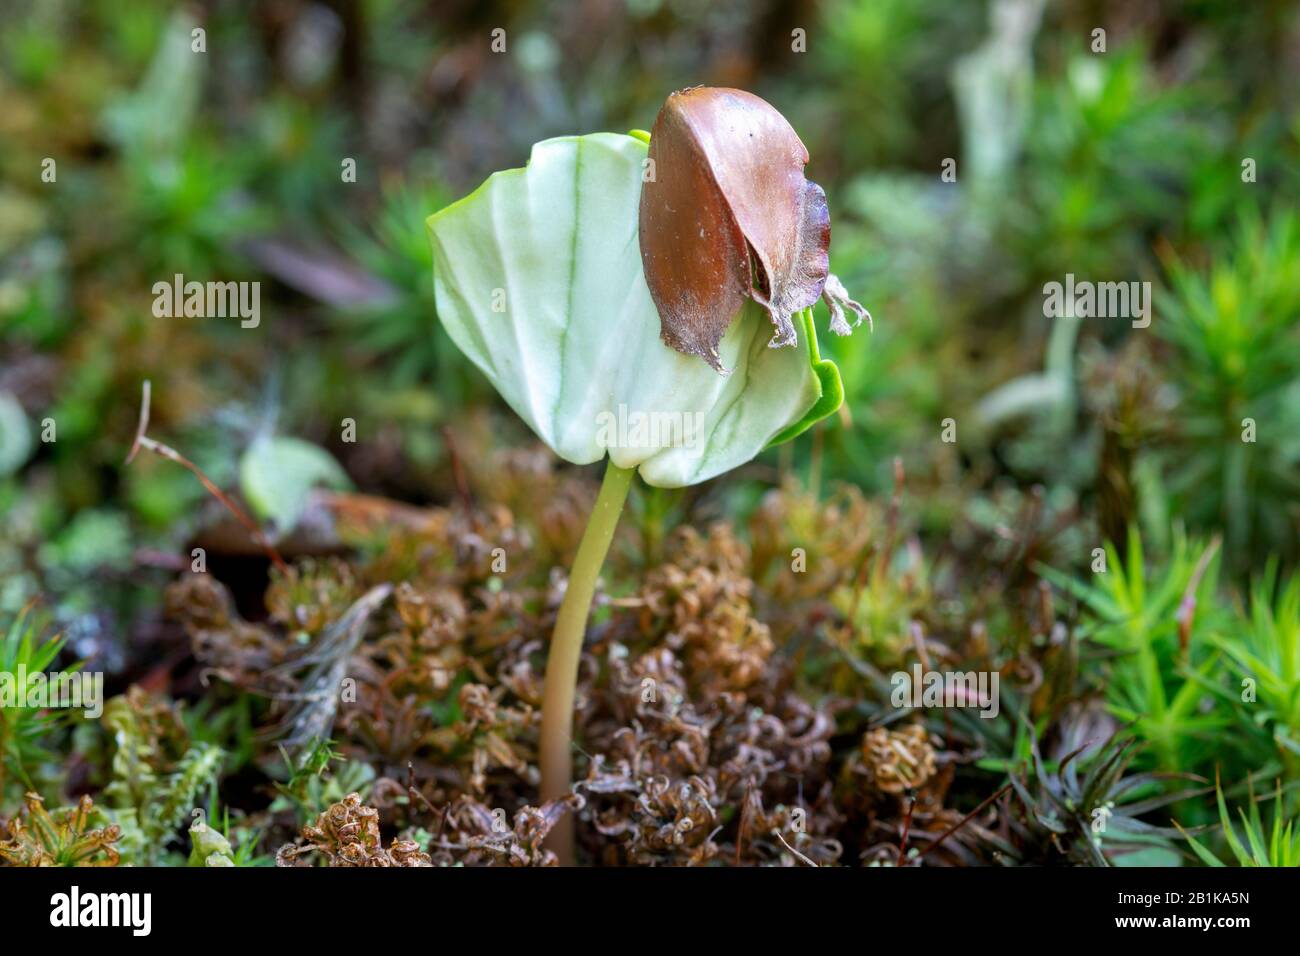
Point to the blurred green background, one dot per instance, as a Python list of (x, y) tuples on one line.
[(1171, 157)]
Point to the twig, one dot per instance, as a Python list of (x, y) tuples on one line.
[(171, 454), (793, 850), (1187, 607), (891, 521), (744, 819), (1046, 607), (907, 826), (918, 641), (458, 471)]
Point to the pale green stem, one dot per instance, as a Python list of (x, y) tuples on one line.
[(566, 650)]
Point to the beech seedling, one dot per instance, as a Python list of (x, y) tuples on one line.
[(604, 296)]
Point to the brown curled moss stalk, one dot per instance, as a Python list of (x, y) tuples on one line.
[(566, 650)]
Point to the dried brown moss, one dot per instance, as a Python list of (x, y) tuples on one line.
[(700, 738), (347, 834)]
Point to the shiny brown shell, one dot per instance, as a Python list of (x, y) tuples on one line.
[(726, 215)]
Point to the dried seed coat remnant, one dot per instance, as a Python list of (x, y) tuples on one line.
[(727, 215)]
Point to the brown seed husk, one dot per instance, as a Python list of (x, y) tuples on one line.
[(729, 215)]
